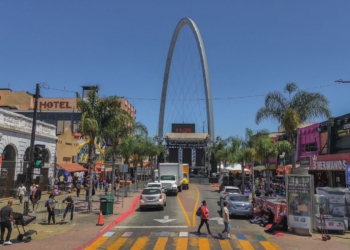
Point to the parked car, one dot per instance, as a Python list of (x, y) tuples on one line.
[(152, 197), (238, 204), (229, 190)]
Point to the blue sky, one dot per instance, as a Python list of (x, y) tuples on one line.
[(252, 47)]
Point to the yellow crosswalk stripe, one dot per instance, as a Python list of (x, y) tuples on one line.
[(161, 242), (225, 244), (203, 244), (97, 243), (246, 245), (140, 243), (269, 245), (118, 244), (182, 243)]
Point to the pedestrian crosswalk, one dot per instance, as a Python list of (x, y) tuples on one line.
[(179, 241)]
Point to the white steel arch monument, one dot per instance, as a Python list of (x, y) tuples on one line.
[(205, 71)]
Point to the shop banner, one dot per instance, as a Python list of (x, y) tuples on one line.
[(299, 201), (347, 174)]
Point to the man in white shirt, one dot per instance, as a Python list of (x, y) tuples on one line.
[(226, 217), (21, 192)]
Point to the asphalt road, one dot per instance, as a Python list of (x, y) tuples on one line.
[(175, 227)]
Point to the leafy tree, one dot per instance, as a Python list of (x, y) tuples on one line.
[(95, 115), (299, 107)]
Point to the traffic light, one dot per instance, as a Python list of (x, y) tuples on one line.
[(39, 155)]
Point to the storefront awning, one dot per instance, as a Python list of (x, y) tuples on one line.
[(71, 167), (259, 168)]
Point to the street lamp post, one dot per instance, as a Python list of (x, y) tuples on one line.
[(283, 156)]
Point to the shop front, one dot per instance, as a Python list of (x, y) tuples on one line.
[(329, 170)]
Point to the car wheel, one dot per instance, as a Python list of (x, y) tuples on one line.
[(164, 204), (162, 208), (141, 208)]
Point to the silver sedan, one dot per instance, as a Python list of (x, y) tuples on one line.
[(152, 197)]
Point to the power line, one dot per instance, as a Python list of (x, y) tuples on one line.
[(46, 86)]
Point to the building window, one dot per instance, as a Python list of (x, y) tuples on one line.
[(310, 147), (61, 125)]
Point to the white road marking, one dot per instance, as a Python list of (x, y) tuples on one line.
[(127, 234), (219, 220), (125, 227), (183, 234), (165, 219)]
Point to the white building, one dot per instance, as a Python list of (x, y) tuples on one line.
[(15, 134)]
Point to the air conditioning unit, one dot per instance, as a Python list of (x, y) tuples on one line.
[(74, 159)]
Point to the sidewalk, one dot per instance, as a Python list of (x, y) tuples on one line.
[(64, 235)]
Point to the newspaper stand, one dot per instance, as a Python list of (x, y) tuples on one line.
[(24, 220), (323, 228)]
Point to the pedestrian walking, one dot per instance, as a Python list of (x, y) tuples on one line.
[(21, 192), (6, 216), (78, 186), (226, 217), (246, 192), (204, 217), (51, 209), (36, 195), (32, 187), (70, 207)]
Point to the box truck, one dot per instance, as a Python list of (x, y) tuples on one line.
[(171, 176), (186, 181)]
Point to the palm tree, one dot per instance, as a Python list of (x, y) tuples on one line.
[(121, 126), (299, 107), (95, 115)]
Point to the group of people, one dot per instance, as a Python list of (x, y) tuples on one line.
[(264, 217), (204, 215)]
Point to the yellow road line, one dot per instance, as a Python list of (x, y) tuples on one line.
[(246, 245), (182, 243), (225, 244), (161, 242), (194, 221), (269, 245), (184, 211), (97, 243), (203, 244), (140, 243), (117, 244)]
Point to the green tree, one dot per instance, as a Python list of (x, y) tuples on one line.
[(300, 106), (95, 115)]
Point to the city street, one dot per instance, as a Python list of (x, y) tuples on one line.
[(176, 227)]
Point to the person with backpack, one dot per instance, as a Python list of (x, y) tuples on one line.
[(70, 207), (204, 215)]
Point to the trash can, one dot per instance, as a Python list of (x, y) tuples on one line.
[(106, 205)]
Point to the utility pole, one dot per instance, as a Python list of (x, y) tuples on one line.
[(31, 148)]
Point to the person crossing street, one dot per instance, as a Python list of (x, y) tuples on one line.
[(70, 207), (226, 217), (204, 217)]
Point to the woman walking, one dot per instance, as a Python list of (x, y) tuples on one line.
[(204, 217), (51, 209)]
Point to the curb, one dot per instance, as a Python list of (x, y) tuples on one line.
[(119, 219)]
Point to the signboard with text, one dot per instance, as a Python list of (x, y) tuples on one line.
[(347, 174), (299, 200)]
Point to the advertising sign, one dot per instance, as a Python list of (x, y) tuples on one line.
[(299, 201), (347, 174)]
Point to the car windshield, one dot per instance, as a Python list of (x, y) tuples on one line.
[(232, 190), (151, 191), (153, 185), (238, 198), (167, 178)]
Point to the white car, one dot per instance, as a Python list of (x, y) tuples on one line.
[(152, 197), (229, 190)]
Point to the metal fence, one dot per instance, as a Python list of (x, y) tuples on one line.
[(199, 180)]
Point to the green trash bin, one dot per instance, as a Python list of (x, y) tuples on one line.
[(107, 205)]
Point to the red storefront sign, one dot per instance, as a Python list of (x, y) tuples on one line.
[(335, 162)]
